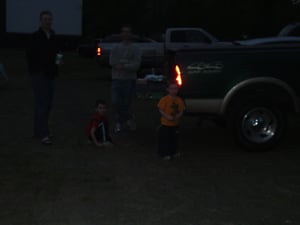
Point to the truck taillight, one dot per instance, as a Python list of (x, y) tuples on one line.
[(178, 76), (99, 51)]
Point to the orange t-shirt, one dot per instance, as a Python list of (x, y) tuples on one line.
[(171, 106)]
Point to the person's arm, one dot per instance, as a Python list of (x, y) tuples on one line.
[(135, 63), (3, 72), (34, 53), (179, 115), (114, 58), (181, 108), (30, 52), (95, 141), (165, 115)]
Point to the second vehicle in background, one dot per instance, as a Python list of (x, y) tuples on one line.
[(86, 47), (152, 51), (292, 29)]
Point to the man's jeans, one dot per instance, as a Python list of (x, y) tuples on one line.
[(122, 94), (43, 88)]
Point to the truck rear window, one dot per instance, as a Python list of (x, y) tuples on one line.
[(189, 36)]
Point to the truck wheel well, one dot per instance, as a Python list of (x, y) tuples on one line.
[(269, 93)]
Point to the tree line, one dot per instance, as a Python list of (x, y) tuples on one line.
[(226, 19)]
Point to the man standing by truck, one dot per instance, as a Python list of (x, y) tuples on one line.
[(42, 59), (125, 60)]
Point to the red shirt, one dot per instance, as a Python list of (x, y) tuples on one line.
[(95, 120)]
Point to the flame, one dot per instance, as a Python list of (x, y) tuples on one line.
[(178, 76)]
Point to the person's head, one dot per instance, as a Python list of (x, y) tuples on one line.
[(101, 106), (46, 19), (172, 88), (126, 34)]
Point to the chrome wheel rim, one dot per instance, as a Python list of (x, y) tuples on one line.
[(259, 125)]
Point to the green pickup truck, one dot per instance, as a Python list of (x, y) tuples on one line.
[(251, 85)]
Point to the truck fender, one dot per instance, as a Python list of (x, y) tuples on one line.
[(259, 80)]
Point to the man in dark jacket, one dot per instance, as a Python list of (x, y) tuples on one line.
[(43, 68)]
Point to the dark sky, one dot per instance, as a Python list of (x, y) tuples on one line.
[(226, 18)]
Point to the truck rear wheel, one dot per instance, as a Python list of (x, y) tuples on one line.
[(258, 126)]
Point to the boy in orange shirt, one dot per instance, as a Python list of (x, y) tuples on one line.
[(171, 108)]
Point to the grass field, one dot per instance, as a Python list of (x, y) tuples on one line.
[(74, 183)]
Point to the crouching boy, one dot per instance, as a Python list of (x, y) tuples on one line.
[(97, 129)]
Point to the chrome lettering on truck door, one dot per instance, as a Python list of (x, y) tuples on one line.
[(205, 68)]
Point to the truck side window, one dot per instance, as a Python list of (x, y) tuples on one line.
[(189, 36), (197, 37), (178, 36), (295, 32), (113, 39)]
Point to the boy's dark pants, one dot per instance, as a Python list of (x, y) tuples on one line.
[(102, 134), (167, 140)]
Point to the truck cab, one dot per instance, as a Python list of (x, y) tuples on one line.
[(187, 38)]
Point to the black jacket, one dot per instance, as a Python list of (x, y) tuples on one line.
[(41, 53)]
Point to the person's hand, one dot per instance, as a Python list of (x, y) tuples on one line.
[(177, 116), (59, 59), (169, 117)]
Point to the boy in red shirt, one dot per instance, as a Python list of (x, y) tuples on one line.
[(97, 129), (171, 108)]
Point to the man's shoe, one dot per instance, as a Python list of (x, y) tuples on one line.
[(131, 124), (167, 158), (117, 128), (46, 141), (108, 144), (177, 155)]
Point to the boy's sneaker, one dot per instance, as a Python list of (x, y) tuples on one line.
[(46, 141), (107, 144), (176, 155), (117, 128), (167, 158)]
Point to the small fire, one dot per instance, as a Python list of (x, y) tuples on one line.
[(178, 76)]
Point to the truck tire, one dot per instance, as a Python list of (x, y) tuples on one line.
[(258, 126)]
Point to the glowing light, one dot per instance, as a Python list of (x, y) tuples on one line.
[(178, 76), (99, 52)]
